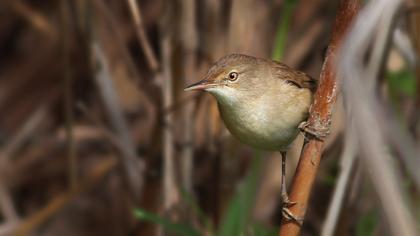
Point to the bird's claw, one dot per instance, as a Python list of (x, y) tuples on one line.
[(288, 216), (319, 132), (286, 201)]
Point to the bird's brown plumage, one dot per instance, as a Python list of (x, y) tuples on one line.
[(298, 78), (280, 70)]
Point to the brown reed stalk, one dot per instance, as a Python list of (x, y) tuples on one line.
[(319, 119), (171, 195), (189, 41)]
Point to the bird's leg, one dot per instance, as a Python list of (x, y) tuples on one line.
[(284, 195), (318, 131), (287, 215)]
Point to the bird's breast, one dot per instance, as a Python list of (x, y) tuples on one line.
[(265, 123)]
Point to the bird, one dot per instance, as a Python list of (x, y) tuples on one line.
[(262, 102)]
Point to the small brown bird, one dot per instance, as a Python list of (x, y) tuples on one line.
[(262, 103)]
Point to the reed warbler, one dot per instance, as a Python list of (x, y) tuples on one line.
[(262, 103)]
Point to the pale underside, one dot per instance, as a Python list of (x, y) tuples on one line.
[(262, 122)]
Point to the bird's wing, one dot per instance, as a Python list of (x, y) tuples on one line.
[(298, 78)]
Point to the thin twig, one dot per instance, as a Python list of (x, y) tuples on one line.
[(141, 35), (28, 128), (319, 119), (106, 15), (15, 143)]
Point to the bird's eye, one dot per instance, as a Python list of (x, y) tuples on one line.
[(233, 76)]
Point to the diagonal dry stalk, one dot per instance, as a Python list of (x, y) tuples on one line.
[(142, 37), (319, 119), (132, 165)]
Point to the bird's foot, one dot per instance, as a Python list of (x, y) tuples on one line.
[(286, 200), (288, 216), (319, 132)]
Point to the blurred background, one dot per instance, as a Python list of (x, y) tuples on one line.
[(97, 136)]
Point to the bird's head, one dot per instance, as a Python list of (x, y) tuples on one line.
[(232, 77)]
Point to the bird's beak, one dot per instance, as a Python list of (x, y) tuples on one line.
[(200, 85)]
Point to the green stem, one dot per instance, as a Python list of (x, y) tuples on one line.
[(283, 29)]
